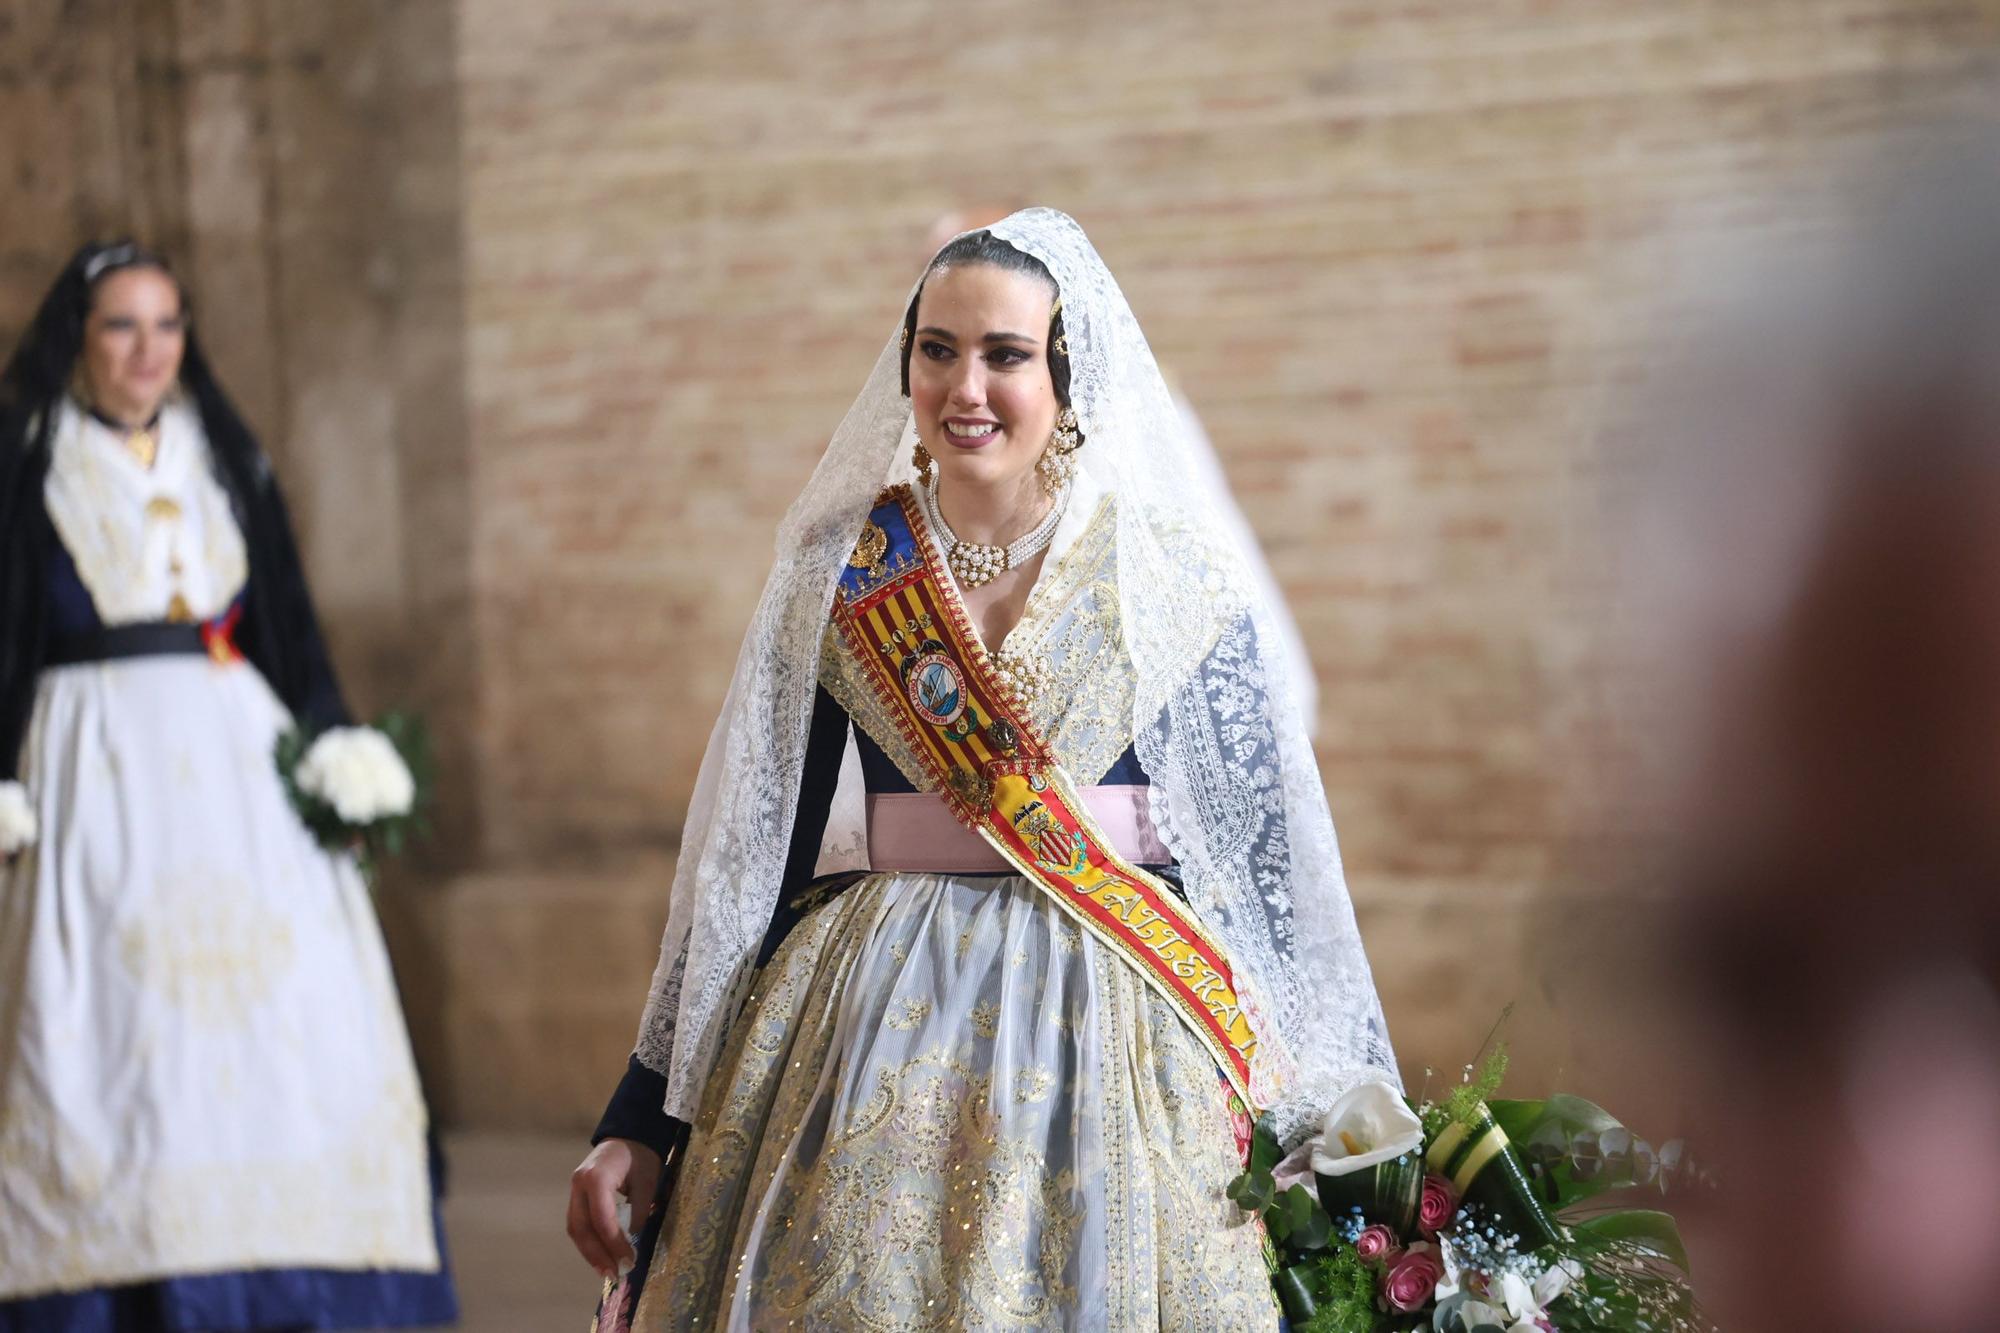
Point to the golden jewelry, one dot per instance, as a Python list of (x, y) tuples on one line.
[(874, 544), (143, 445), (972, 787), (1055, 469), (1067, 437), (976, 564), (926, 465), (1057, 465)]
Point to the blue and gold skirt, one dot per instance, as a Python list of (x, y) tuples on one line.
[(945, 1107)]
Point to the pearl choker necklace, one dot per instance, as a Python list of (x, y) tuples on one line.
[(974, 563)]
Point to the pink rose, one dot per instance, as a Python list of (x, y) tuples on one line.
[(1437, 1207), (1412, 1280), (1378, 1245)]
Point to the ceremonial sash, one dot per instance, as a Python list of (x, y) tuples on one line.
[(899, 614)]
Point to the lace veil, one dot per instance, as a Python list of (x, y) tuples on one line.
[(1236, 792)]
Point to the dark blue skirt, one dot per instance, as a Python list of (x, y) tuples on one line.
[(256, 1300), (263, 1299)]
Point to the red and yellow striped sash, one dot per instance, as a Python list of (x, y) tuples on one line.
[(899, 614)]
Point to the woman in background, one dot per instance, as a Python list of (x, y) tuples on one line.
[(209, 1117)]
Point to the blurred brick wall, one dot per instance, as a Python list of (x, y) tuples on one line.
[(547, 309), (1392, 250)]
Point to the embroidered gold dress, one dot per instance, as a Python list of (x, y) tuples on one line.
[(946, 1105)]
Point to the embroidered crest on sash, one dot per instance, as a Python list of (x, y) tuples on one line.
[(936, 689)]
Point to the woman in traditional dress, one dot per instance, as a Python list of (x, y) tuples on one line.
[(209, 1116), (1002, 1077)]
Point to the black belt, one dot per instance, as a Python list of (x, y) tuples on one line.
[(156, 638)]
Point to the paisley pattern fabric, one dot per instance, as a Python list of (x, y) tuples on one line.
[(948, 1108)]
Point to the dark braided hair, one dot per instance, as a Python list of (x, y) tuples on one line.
[(983, 247)]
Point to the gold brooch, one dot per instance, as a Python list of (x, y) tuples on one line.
[(975, 789), (868, 552)]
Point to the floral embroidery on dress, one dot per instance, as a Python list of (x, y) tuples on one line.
[(938, 1182), (986, 1020)]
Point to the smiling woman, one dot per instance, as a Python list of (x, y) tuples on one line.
[(1000, 1078), (980, 367), (134, 338)]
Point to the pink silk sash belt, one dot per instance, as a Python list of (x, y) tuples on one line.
[(916, 831)]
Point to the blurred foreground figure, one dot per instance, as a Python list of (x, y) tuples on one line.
[(209, 1118), (1833, 577)]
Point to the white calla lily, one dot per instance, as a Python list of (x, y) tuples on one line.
[(1369, 1125)]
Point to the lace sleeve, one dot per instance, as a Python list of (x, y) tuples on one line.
[(1239, 799)]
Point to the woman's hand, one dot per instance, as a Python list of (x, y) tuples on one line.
[(614, 1167)]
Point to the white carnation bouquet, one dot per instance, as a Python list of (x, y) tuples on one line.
[(359, 788), (18, 827)]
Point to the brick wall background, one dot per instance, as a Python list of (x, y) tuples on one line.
[(546, 311)]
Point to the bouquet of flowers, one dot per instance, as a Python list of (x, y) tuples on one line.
[(359, 788), (1470, 1215)]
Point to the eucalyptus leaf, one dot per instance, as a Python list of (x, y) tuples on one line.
[(1645, 1163), (1265, 1152), (1673, 1157), (1279, 1223), (1297, 1222), (1585, 1168), (1616, 1145)]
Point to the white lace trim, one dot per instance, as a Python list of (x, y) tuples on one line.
[(142, 536)]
